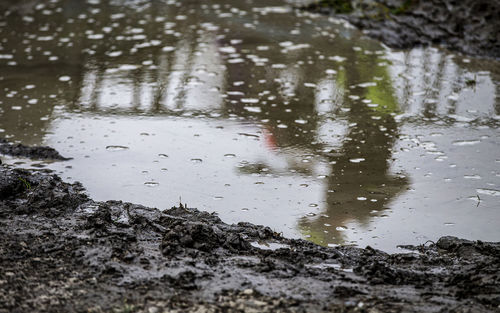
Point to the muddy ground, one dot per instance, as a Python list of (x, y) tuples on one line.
[(468, 26), (60, 251), (20, 150)]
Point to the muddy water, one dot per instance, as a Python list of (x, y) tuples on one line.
[(259, 113)]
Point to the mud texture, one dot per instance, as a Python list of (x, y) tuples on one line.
[(60, 251), (468, 26), (20, 150)]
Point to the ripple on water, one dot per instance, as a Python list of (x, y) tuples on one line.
[(489, 192), (151, 184), (116, 148), (465, 142), (356, 160)]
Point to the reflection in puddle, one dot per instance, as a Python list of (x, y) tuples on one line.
[(285, 118)]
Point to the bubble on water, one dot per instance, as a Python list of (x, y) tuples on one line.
[(95, 36), (249, 100), (441, 158), (310, 85), (117, 16), (244, 209), (300, 121), (127, 67), (16, 107), (253, 109), (341, 228), (367, 84), (151, 184), (465, 142), (356, 160), (475, 176), (64, 78), (230, 155), (282, 126), (311, 214), (313, 205), (235, 60), (361, 198), (227, 49), (449, 224), (196, 160), (114, 54), (330, 71), (217, 198), (337, 58), (116, 148), (168, 49), (163, 155)]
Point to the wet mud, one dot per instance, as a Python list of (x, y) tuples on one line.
[(20, 150), (62, 251), (471, 27)]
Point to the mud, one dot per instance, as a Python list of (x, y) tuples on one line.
[(62, 251), (20, 150), (469, 26)]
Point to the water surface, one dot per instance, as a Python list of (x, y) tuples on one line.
[(257, 112)]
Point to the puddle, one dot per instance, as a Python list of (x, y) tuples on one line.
[(261, 108)]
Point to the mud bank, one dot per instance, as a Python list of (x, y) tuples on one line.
[(469, 26), (62, 251), (20, 150)]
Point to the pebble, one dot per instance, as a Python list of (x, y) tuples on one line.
[(247, 291)]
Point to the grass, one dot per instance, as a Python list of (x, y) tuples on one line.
[(26, 183)]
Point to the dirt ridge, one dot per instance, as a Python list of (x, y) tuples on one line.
[(62, 251)]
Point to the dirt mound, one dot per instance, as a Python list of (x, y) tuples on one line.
[(61, 251), (20, 150), (468, 26)]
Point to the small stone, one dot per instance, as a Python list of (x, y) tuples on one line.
[(153, 309), (259, 303)]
